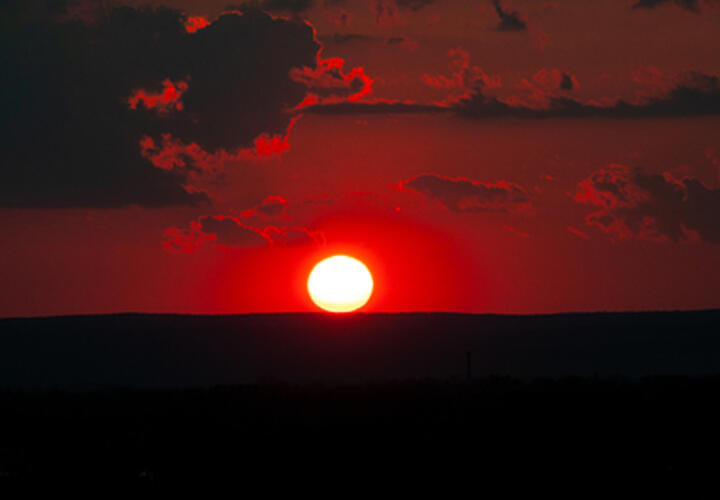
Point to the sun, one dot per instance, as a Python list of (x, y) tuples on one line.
[(340, 284)]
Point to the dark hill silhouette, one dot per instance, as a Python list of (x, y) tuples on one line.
[(145, 351)]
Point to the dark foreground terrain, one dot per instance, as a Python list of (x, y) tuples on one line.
[(593, 405), (89, 353), (615, 437)]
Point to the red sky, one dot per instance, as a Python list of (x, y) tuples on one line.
[(569, 164)]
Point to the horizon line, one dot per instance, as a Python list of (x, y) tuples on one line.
[(363, 313)]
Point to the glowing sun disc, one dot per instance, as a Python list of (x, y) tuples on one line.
[(340, 284)]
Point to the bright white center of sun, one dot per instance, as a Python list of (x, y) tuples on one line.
[(340, 284)]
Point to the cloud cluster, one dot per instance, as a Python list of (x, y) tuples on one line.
[(327, 83), (78, 114), (228, 232), (544, 86), (377, 107), (693, 94), (464, 77), (386, 13), (272, 206), (548, 95), (460, 194), (340, 18), (510, 20), (658, 207)]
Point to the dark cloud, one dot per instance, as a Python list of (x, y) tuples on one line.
[(327, 82), (230, 232), (353, 38), (510, 20), (340, 18), (13, 12), (346, 38), (464, 195), (402, 41), (539, 91), (294, 236), (71, 137), (657, 207), (566, 82), (691, 5), (463, 80), (294, 6), (272, 206), (395, 40), (413, 5), (375, 107), (386, 12), (694, 94)]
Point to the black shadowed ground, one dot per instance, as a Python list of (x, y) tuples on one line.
[(163, 351), (597, 399)]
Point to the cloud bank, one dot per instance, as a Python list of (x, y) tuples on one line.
[(76, 114)]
